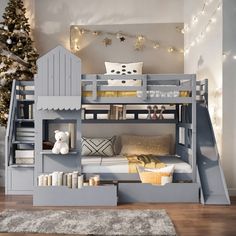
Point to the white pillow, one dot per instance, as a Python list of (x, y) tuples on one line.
[(124, 69)]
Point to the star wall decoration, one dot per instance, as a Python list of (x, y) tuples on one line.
[(107, 41), (122, 39)]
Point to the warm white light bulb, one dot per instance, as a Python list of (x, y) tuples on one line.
[(186, 51), (170, 49), (192, 44), (156, 45), (203, 12), (186, 28), (213, 19), (208, 28)]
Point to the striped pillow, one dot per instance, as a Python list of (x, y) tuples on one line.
[(97, 146)]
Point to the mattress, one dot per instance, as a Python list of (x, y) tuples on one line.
[(119, 164)]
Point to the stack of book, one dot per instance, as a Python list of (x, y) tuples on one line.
[(117, 112), (25, 134), (24, 157), (57, 178)]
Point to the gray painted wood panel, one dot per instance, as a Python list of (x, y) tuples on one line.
[(173, 192), (87, 196), (59, 73)]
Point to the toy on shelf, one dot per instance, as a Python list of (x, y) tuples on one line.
[(61, 144), (155, 109), (161, 117)]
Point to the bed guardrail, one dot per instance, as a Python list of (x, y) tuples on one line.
[(153, 88)]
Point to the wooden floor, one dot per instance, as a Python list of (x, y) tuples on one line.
[(189, 219)]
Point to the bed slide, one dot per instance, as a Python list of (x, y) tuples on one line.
[(210, 174)]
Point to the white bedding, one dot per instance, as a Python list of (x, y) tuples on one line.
[(119, 164)]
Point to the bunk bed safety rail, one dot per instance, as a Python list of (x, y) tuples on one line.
[(10, 123), (151, 82)]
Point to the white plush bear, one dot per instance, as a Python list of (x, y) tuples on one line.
[(61, 144)]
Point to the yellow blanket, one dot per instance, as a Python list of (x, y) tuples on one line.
[(147, 161)]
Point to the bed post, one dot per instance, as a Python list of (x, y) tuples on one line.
[(194, 128)]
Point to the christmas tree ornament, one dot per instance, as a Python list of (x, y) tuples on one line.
[(9, 41), (22, 30), (5, 27), (3, 81)]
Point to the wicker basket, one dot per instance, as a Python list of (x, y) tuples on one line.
[(151, 177)]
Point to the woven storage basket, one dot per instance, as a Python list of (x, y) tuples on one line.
[(152, 177)]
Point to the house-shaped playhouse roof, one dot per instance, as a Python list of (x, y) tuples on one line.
[(58, 81)]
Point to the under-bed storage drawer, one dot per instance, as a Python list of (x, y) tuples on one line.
[(172, 192), (104, 195)]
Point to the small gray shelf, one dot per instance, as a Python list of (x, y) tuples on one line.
[(22, 166), (23, 142), (49, 152), (24, 120), (25, 100), (131, 121)]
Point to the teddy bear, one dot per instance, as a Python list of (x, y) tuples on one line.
[(61, 144)]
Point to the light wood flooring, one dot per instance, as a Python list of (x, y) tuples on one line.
[(189, 219)]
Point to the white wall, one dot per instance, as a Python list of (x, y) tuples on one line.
[(205, 58), (229, 93), (54, 17)]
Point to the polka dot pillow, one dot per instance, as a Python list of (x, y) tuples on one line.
[(124, 69)]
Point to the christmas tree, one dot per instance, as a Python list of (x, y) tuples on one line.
[(17, 53)]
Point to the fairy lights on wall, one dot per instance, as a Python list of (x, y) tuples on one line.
[(206, 29), (140, 41)]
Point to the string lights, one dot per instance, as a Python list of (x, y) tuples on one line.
[(206, 28), (139, 41)]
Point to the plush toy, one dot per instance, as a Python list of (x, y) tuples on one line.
[(61, 144)]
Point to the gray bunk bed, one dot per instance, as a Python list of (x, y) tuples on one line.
[(60, 94)]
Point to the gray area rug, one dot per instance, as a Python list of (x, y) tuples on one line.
[(88, 222)]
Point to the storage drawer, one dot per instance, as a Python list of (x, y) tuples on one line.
[(105, 195), (21, 180), (172, 192)]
